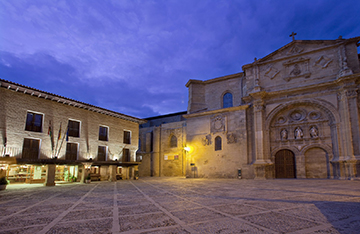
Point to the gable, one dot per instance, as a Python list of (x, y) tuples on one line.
[(299, 64)]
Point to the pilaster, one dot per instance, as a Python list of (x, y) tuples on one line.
[(349, 130)]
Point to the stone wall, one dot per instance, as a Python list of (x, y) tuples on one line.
[(13, 117)]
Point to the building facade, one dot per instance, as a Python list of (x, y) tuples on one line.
[(48, 138), (292, 114), (162, 142)]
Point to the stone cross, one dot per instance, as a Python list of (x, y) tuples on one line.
[(293, 36)]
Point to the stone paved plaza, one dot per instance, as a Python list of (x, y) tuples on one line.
[(179, 205)]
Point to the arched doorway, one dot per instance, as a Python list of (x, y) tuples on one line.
[(317, 163), (285, 164)]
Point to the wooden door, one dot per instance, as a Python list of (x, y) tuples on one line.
[(285, 164)]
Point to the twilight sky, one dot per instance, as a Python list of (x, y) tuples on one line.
[(135, 56)]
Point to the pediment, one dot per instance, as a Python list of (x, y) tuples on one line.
[(295, 48)]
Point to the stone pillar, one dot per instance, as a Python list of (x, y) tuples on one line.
[(81, 173), (112, 173), (136, 172), (125, 173), (50, 175), (131, 172), (156, 159)]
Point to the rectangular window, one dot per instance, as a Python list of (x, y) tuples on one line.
[(101, 153), (34, 122), (74, 128), (127, 137), (31, 148), (71, 151), (103, 133), (126, 155)]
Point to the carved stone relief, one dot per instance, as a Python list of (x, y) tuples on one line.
[(344, 69), (296, 68), (296, 49), (218, 123), (281, 120), (297, 115), (314, 115), (206, 140), (351, 93), (302, 122), (271, 72), (323, 61), (231, 138)]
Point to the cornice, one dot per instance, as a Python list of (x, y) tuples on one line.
[(230, 109)]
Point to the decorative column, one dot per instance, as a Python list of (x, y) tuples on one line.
[(50, 175), (262, 165)]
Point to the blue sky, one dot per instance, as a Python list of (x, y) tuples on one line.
[(135, 57)]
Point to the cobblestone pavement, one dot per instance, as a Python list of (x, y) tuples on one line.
[(179, 205)]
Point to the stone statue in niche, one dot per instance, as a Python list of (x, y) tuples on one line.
[(298, 133), (284, 134), (314, 132)]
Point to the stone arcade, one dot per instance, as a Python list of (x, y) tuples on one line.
[(292, 114)]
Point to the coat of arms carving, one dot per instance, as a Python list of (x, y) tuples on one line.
[(296, 68), (218, 123)]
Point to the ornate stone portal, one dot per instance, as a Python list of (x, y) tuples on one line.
[(310, 127)]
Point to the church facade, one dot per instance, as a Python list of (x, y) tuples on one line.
[(292, 114)]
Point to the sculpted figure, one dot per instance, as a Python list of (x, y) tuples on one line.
[(298, 133), (296, 71), (314, 132), (284, 134)]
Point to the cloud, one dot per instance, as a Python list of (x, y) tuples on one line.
[(136, 56), (44, 72)]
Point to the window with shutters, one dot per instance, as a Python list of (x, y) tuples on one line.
[(31, 148), (34, 122), (103, 133), (74, 128), (126, 155), (71, 151), (127, 137), (101, 153)]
